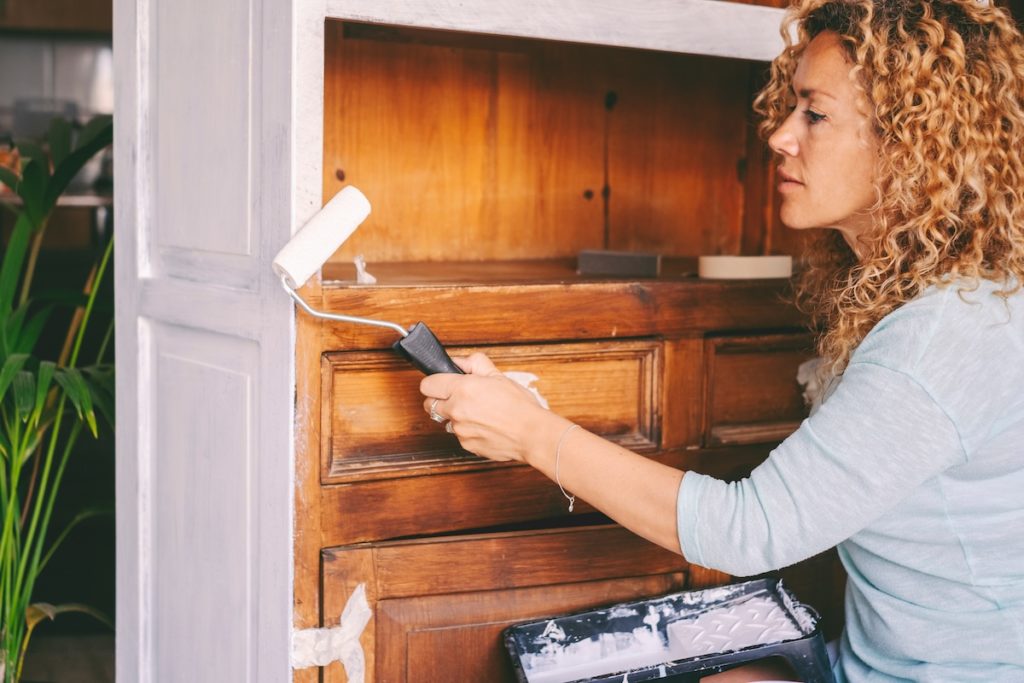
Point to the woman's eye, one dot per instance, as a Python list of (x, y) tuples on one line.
[(813, 117)]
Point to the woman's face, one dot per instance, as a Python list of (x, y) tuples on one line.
[(828, 149)]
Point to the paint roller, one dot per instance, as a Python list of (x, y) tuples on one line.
[(311, 246)]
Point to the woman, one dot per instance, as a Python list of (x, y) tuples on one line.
[(899, 126)]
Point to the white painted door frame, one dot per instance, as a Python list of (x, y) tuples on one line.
[(205, 195)]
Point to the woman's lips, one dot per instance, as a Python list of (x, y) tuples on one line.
[(787, 183)]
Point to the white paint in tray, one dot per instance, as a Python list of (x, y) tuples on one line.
[(749, 620)]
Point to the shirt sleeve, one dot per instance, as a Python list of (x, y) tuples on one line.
[(877, 437)]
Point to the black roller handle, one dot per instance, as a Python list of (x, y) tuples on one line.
[(424, 351)]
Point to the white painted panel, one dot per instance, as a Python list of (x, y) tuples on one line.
[(205, 338), (202, 114), (228, 311), (706, 27), (202, 462)]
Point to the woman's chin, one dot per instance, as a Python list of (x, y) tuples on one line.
[(796, 223)]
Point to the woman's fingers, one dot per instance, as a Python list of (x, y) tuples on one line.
[(442, 384), (430, 405), (438, 386), (477, 364), (483, 408)]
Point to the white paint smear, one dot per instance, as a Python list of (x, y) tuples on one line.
[(750, 620)]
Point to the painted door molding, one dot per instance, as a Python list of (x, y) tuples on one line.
[(205, 336)]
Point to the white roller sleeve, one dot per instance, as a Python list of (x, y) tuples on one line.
[(744, 267), (311, 246)]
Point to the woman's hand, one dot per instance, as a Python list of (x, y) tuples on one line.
[(491, 415), (496, 418)]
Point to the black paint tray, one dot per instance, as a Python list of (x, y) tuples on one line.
[(642, 640)]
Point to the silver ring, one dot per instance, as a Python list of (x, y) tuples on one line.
[(434, 415), (448, 427)]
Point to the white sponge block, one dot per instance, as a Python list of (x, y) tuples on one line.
[(744, 267), (311, 246)]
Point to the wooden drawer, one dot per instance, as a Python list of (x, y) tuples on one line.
[(752, 395), (439, 605), (373, 425)]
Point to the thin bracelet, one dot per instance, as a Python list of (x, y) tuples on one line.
[(558, 455)]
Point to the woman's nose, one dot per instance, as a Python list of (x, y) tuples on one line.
[(783, 140)]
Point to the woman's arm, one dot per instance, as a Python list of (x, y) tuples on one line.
[(494, 417)]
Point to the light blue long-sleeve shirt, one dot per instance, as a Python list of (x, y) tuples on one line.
[(914, 466)]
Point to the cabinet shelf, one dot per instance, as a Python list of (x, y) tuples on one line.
[(509, 272)]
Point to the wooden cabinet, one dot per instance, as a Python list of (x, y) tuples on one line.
[(490, 162), (453, 548), (495, 139)]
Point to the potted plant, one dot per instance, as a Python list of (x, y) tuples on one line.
[(45, 403)]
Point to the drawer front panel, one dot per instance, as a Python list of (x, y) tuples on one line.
[(752, 392), (373, 424), (439, 605)]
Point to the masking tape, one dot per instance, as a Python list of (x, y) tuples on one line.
[(323, 646), (744, 267)]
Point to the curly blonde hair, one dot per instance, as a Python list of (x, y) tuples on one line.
[(943, 83)]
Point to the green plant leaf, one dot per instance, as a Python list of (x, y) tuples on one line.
[(59, 138), (14, 257), (9, 178), (35, 613), (29, 149), (30, 333), (39, 611), (74, 162), (100, 373), (12, 366), (12, 330), (101, 384), (32, 190), (77, 391), (44, 380), (24, 393), (94, 127), (31, 446), (70, 380)]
